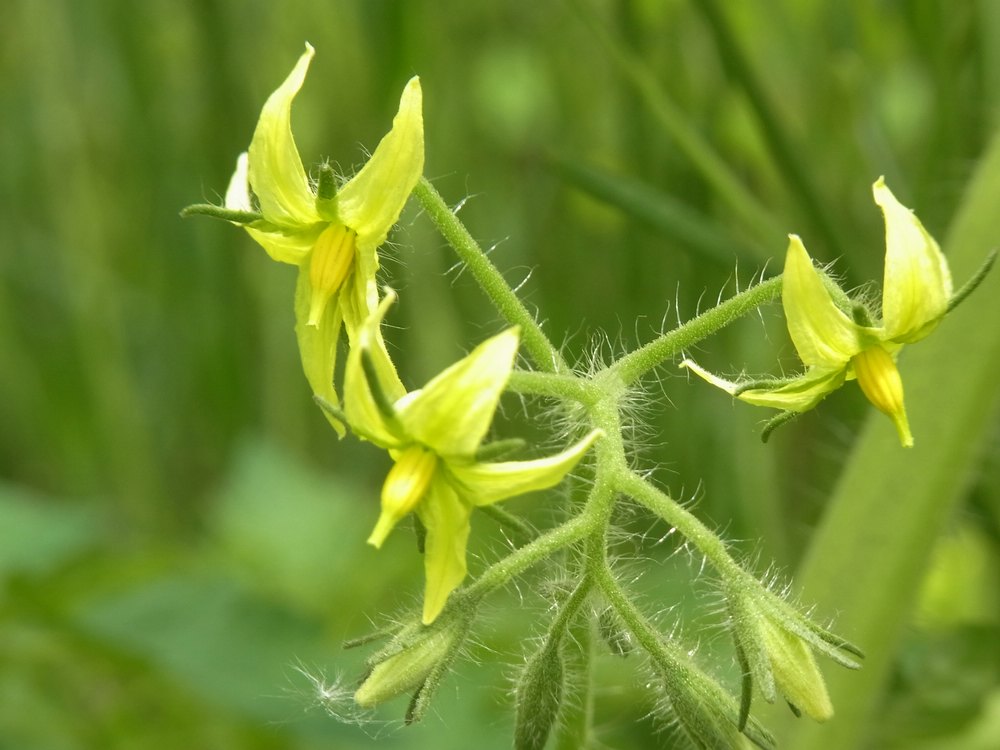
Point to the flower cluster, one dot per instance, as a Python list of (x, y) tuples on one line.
[(332, 233), (435, 435)]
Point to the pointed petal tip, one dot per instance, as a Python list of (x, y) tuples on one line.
[(882, 194)]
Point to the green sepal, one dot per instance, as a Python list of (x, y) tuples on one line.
[(500, 449), (329, 409), (243, 218), (746, 687), (375, 635), (420, 533), (524, 531)]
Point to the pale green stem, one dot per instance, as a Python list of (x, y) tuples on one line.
[(489, 278), (565, 387), (708, 543), (501, 572), (634, 365), (663, 654)]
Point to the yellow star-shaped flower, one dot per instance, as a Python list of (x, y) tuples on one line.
[(838, 341), (433, 435), (331, 234)]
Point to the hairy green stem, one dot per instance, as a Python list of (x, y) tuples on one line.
[(634, 365), (502, 571), (710, 545), (489, 278), (564, 387)]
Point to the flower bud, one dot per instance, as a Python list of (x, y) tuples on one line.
[(407, 669), (776, 643), (539, 696), (705, 711), (795, 672)]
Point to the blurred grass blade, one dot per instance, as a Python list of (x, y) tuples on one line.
[(869, 555), (767, 230), (778, 141), (660, 211)]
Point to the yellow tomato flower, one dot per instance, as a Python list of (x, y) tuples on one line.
[(838, 342), (433, 435), (330, 234)]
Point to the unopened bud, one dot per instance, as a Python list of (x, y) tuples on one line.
[(406, 670), (539, 696), (795, 672)]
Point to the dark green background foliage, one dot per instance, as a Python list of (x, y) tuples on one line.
[(181, 532)]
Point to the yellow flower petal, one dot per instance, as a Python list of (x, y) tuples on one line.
[(917, 285), (363, 412), (446, 519), (370, 203), (238, 191), (275, 168), (800, 394), (823, 335), (317, 344), (488, 483), (452, 413)]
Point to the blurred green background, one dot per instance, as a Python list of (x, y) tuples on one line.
[(182, 535)]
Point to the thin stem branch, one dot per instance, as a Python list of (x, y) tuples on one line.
[(710, 545), (502, 571), (545, 356), (634, 365), (563, 387)]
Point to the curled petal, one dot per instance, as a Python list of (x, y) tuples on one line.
[(318, 344), (446, 519), (917, 285), (370, 203), (285, 245), (486, 483), (452, 413), (728, 386), (801, 394), (275, 168), (364, 413), (823, 335)]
